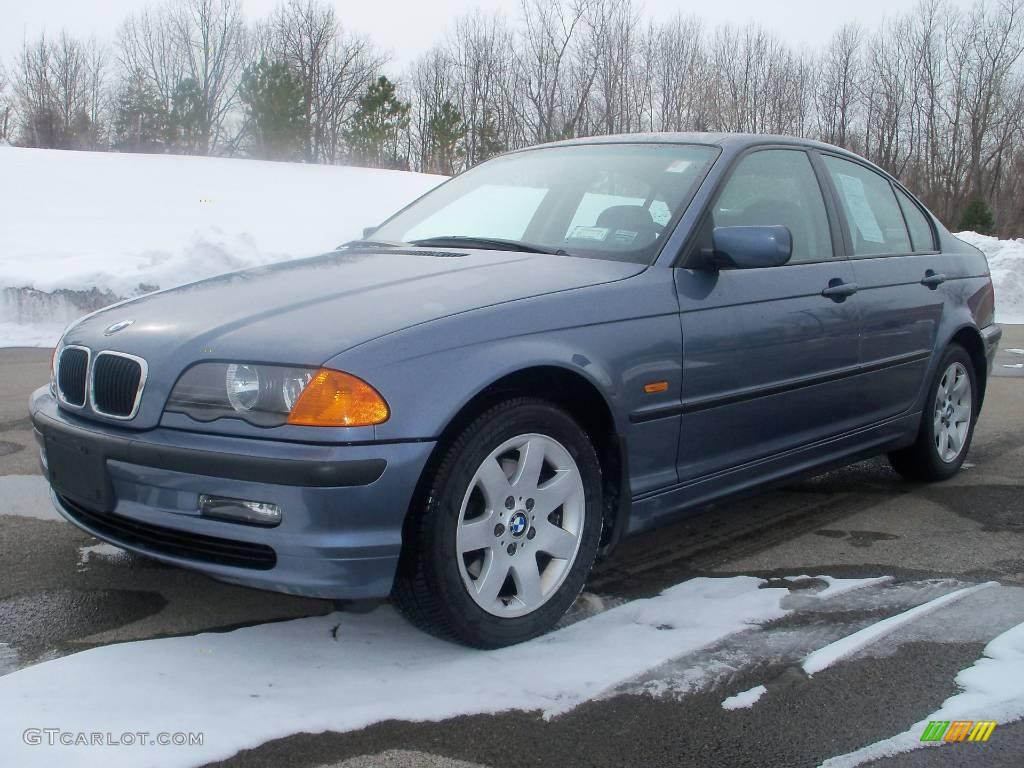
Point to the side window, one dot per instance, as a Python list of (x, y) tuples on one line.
[(777, 187), (920, 230), (872, 213)]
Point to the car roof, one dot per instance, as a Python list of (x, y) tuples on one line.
[(732, 141)]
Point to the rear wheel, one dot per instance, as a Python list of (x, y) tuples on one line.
[(947, 424), (509, 529)]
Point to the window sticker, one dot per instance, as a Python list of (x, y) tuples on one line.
[(679, 166), (859, 208), (599, 234), (624, 236)]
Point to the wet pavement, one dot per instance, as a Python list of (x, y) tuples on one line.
[(61, 593)]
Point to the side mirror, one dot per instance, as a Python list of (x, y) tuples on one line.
[(750, 247), (368, 232)]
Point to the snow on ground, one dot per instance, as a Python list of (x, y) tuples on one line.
[(124, 224), (990, 690), (823, 658), (101, 550), (836, 587), (1006, 261), (745, 699), (346, 671), (27, 496)]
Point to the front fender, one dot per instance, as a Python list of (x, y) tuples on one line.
[(618, 337)]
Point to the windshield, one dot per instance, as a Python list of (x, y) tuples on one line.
[(611, 201)]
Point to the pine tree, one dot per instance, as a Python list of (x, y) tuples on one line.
[(447, 133), (140, 118), (275, 111), (374, 138), (186, 125), (488, 142), (978, 218)]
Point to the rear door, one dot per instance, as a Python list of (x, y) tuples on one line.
[(767, 357), (899, 272)]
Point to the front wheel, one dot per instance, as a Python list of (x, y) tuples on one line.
[(509, 529), (947, 424)]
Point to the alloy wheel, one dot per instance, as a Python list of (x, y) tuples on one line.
[(952, 416), (520, 525)]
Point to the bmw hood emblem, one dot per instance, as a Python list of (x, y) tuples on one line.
[(117, 327)]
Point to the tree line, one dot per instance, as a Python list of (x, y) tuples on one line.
[(935, 96)]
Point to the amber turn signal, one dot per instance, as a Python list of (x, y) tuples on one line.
[(336, 399)]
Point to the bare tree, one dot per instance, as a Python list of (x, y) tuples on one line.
[(333, 66), (555, 72), (6, 106), (192, 52), (837, 95), (61, 93)]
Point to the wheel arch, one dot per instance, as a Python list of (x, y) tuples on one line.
[(969, 338), (579, 397)]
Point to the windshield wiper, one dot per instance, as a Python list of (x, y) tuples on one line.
[(361, 243), (456, 241)]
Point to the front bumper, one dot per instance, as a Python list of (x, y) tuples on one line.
[(343, 505)]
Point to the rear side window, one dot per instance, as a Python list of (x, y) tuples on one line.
[(778, 187), (872, 213), (920, 230)]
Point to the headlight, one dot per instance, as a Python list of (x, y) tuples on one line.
[(243, 386), (54, 357), (274, 395)]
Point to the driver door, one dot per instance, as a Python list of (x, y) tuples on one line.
[(767, 358)]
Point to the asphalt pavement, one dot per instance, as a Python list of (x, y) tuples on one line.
[(61, 593)]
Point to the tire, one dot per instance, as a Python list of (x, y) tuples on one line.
[(445, 581), (947, 424)]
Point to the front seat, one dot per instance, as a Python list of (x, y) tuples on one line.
[(630, 225)]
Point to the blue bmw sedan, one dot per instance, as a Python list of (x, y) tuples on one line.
[(556, 349)]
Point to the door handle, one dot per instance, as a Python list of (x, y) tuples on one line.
[(933, 279), (838, 290)]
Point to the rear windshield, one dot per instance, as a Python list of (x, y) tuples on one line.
[(611, 201)]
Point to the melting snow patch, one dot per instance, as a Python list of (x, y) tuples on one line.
[(26, 496), (103, 550), (823, 658), (991, 690), (838, 587), (249, 686), (745, 699)]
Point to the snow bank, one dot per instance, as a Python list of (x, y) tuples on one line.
[(1006, 260), (346, 671), (81, 229)]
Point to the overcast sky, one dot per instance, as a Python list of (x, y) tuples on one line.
[(408, 27)]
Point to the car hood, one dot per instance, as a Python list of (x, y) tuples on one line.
[(305, 312)]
